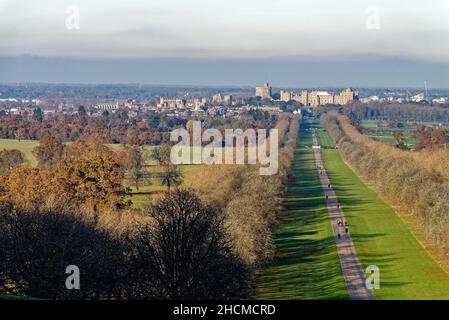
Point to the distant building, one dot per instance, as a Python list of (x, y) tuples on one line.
[(323, 98), (417, 98), (285, 95), (264, 91), (440, 100), (227, 100), (107, 106), (171, 103), (347, 95), (217, 98), (316, 98)]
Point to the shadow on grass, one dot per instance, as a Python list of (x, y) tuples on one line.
[(306, 264)]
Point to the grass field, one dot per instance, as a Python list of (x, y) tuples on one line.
[(324, 139), (381, 238), (306, 264), (139, 198), (26, 146), (379, 131)]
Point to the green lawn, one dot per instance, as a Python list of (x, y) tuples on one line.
[(306, 265), (324, 139), (381, 238), (379, 131), (141, 198), (26, 146)]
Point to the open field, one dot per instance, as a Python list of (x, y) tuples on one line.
[(306, 265), (381, 238), (379, 131), (26, 146), (140, 199)]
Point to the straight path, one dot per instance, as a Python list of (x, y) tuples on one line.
[(306, 265), (350, 265)]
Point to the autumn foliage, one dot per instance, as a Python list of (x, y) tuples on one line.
[(203, 240)]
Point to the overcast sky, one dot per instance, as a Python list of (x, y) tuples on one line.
[(228, 30)]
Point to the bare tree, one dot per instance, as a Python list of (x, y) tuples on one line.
[(184, 253)]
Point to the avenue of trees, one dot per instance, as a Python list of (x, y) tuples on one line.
[(202, 239), (250, 201), (418, 182)]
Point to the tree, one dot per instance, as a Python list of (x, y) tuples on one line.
[(428, 137), (20, 134), (36, 246), (400, 142), (162, 154), (136, 164), (92, 182), (82, 111), (171, 176), (9, 159), (92, 145), (183, 253), (38, 115), (29, 187), (49, 151)]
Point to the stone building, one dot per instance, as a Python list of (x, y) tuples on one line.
[(171, 103), (317, 98), (286, 95), (222, 99), (107, 106), (264, 91), (227, 100)]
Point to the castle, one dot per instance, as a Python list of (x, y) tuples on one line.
[(316, 98), (264, 91)]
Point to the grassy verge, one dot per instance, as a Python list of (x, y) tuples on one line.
[(306, 265), (381, 238)]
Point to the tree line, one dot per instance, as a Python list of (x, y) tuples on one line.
[(119, 127), (397, 111), (418, 182), (251, 202)]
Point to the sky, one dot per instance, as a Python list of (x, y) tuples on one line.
[(216, 42)]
